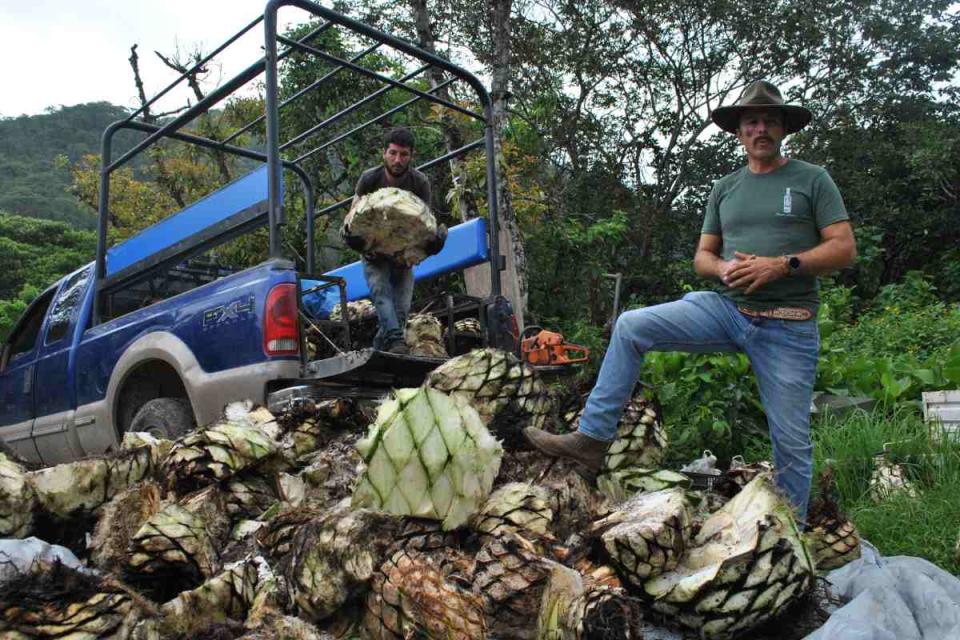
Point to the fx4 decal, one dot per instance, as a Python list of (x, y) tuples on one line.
[(232, 311)]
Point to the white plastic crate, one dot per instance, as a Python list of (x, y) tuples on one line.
[(942, 410)]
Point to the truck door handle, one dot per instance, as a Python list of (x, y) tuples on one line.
[(28, 379)]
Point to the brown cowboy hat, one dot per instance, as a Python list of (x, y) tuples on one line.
[(761, 93)]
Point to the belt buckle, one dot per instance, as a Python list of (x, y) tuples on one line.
[(795, 313), (778, 313)]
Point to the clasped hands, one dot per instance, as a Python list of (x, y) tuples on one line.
[(750, 272)]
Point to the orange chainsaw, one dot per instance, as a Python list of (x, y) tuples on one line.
[(540, 347)]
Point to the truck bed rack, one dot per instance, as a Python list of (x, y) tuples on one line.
[(257, 199)]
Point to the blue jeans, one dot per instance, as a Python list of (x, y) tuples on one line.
[(783, 354), (391, 291)]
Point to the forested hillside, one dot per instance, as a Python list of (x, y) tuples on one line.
[(36, 153)]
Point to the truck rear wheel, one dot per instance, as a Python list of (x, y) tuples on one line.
[(167, 418)]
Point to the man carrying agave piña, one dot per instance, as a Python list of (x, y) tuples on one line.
[(390, 282)]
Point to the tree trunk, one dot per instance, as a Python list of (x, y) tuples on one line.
[(164, 177), (511, 244), (453, 139)]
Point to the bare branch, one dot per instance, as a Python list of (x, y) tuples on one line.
[(134, 60)]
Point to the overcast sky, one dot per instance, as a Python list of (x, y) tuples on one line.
[(65, 52)]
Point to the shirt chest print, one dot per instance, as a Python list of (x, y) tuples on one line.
[(787, 210)]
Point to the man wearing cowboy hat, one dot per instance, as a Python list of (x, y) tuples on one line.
[(770, 229)]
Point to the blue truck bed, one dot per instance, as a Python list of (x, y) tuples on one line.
[(466, 246)]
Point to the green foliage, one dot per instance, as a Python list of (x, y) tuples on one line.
[(710, 401), (888, 378), (39, 252), (35, 154), (33, 255), (581, 250), (896, 167), (905, 342), (919, 333), (914, 292), (891, 353), (11, 310), (925, 526), (599, 84), (946, 272)]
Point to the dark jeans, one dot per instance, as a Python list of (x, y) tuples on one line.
[(391, 291)]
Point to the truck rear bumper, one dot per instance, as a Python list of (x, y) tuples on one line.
[(367, 374)]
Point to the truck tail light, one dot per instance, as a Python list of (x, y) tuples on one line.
[(281, 334)]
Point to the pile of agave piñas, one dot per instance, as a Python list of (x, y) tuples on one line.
[(424, 517)]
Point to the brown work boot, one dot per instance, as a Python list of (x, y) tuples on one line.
[(582, 449), (399, 347)]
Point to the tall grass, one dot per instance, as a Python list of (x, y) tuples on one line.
[(926, 526)]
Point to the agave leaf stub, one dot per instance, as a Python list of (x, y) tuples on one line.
[(84, 485), (331, 558), (516, 507), (641, 439), (833, 543), (330, 474), (510, 578), (428, 455), (357, 310), (159, 447), (506, 393), (424, 336), (410, 597), (119, 521), (889, 478), (218, 452), (16, 500), (575, 607), (747, 564), (647, 535), (56, 601), (276, 538), (623, 483), (226, 596), (283, 627), (180, 543), (249, 495)]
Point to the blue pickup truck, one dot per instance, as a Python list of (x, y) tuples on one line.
[(152, 336)]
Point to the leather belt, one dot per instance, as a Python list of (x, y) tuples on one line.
[(779, 313)]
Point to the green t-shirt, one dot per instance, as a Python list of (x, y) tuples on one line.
[(774, 214)]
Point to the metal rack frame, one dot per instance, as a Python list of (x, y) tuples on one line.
[(274, 216)]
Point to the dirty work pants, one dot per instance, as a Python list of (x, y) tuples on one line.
[(783, 354), (391, 291)]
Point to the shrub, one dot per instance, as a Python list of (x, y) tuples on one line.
[(710, 401), (925, 526)]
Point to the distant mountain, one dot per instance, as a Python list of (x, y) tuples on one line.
[(32, 181)]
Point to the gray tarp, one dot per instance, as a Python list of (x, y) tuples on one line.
[(18, 557), (896, 598)]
